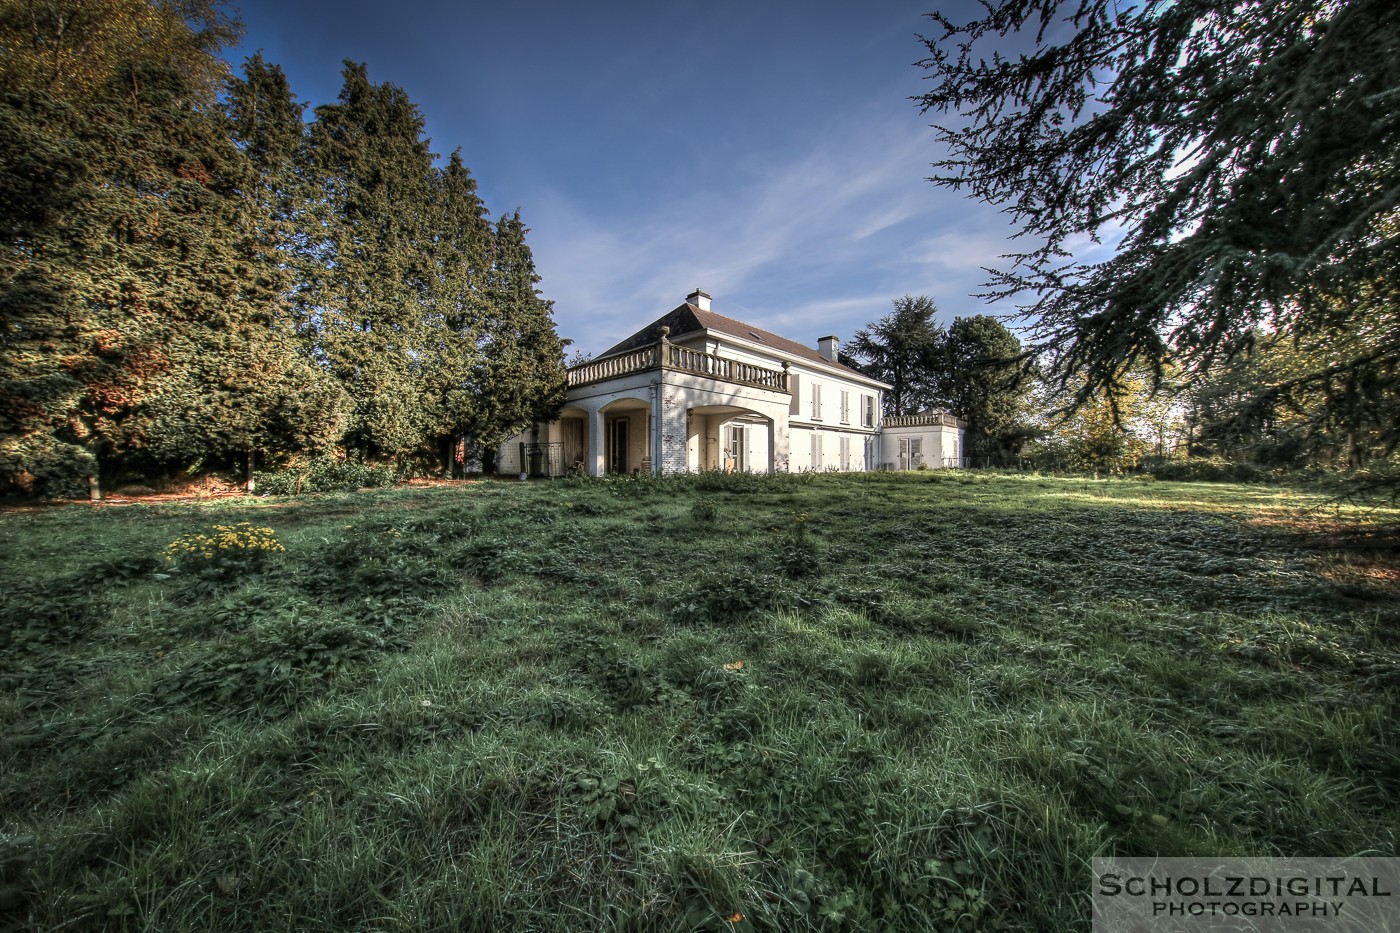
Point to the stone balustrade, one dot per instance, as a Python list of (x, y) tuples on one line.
[(927, 419), (666, 355)]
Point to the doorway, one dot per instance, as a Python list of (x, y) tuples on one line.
[(735, 456), (617, 445), (575, 444)]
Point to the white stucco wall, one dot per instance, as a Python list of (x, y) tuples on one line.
[(939, 446)]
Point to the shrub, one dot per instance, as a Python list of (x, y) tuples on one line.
[(326, 475), (274, 665), (40, 465), (704, 511), (795, 553), (38, 617), (1203, 469), (378, 560), (715, 596)]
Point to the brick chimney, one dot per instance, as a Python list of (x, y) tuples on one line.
[(699, 299), (827, 347)]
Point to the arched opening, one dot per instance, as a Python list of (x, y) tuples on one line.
[(626, 440), (729, 438)]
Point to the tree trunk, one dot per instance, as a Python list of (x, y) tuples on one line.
[(94, 447)]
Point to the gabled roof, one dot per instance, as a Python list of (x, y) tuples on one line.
[(688, 320)]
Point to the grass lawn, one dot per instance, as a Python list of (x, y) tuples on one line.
[(840, 702)]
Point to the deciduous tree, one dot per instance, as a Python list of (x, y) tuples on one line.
[(72, 49), (129, 246)]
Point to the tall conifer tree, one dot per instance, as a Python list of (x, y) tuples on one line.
[(189, 282), (521, 378), (262, 394), (900, 349), (365, 297), (980, 377), (1244, 157), (457, 314), (128, 247)]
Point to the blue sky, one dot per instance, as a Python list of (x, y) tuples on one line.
[(766, 151)]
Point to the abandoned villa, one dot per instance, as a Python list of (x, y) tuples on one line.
[(695, 390)]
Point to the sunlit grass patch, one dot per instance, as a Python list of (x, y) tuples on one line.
[(905, 702)]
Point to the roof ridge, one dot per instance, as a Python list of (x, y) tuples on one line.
[(687, 318)]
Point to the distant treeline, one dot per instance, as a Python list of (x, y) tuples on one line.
[(196, 276)]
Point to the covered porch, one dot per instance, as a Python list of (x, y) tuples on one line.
[(662, 409), (620, 438), (729, 438)]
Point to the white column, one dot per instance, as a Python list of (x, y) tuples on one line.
[(594, 463)]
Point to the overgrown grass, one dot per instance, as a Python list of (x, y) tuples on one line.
[(840, 702)]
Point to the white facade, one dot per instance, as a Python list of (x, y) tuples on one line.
[(695, 390), (931, 440)]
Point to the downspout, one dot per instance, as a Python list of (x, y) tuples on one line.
[(656, 426)]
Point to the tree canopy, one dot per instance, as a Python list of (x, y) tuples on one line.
[(900, 349), (1244, 156), (972, 369), (193, 276), (74, 48), (979, 377)]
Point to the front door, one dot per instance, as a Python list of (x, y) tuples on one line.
[(617, 445), (736, 449), (911, 452)]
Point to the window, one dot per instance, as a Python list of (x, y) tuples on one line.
[(816, 402), (916, 451), (816, 451), (845, 451), (869, 405), (845, 407), (795, 387)]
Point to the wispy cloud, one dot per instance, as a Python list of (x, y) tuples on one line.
[(961, 251), (765, 248)]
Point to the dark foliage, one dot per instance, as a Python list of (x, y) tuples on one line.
[(1244, 155)]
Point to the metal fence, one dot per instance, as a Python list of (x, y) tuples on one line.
[(533, 459)]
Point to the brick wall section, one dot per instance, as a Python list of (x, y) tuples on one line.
[(673, 428)]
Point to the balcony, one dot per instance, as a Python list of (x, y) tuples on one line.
[(668, 356)]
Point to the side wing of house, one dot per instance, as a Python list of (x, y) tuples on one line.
[(929, 440)]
